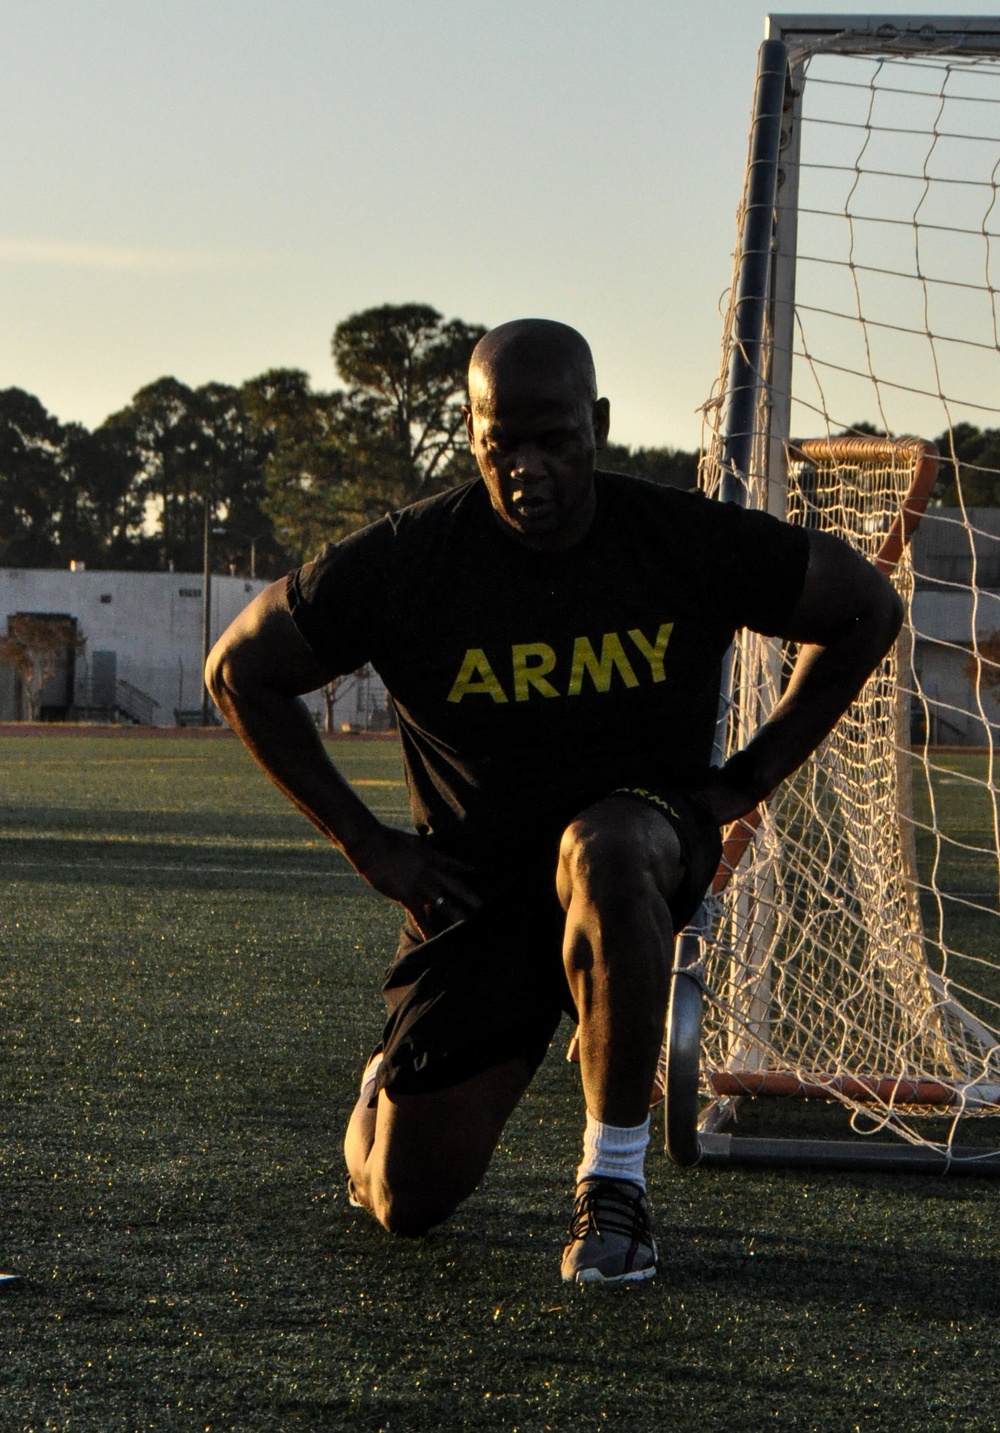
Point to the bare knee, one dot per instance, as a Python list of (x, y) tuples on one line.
[(403, 1205), (409, 1211), (616, 854), (429, 1152)]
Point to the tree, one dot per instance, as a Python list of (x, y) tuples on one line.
[(102, 522), (37, 643), (342, 459), (672, 467), (283, 468), (970, 463), (235, 447), (65, 492), (32, 483), (158, 431), (187, 447), (340, 687), (407, 369), (309, 483), (15, 653)]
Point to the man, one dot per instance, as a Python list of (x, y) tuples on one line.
[(552, 639)]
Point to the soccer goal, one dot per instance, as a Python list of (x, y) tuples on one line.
[(850, 949)]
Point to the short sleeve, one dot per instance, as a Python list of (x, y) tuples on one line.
[(763, 565), (340, 600)]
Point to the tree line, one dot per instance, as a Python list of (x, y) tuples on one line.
[(276, 467), (969, 472), (279, 468)]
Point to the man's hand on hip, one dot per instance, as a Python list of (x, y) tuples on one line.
[(433, 887)]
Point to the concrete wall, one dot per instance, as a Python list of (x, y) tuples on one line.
[(152, 624), (144, 629), (950, 542), (956, 713), (951, 549)]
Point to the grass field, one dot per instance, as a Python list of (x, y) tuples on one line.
[(188, 987)]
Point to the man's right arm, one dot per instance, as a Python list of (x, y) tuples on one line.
[(257, 673)]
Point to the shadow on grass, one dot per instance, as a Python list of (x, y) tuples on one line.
[(182, 864), (820, 1269), (236, 1284)]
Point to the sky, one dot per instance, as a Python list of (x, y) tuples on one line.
[(205, 188)]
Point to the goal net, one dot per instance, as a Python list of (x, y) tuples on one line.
[(852, 948)]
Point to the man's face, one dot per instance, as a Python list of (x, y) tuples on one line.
[(535, 437)]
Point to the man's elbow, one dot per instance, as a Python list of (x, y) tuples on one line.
[(262, 657), (891, 610), (219, 675)]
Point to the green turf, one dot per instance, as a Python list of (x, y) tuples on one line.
[(188, 986)]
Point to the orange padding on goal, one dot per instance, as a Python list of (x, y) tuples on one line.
[(852, 1087), (850, 451), (738, 836)]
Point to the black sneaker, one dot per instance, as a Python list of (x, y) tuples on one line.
[(610, 1239)]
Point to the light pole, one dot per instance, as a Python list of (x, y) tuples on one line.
[(251, 537), (206, 609)]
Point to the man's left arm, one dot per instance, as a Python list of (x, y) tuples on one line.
[(847, 617)]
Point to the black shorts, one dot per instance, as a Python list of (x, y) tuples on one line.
[(492, 987)]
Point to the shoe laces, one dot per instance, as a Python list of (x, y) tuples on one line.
[(603, 1208)]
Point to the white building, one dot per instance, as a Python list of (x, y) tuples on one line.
[(132, 648), (127, 646)]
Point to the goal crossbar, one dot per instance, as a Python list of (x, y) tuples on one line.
[(885, 34)]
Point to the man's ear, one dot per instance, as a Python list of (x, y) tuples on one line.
[(602, 422), (467, 415)]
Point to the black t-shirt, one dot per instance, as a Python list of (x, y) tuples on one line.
[(528, 684)]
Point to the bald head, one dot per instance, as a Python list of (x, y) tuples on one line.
[(535, 425), (526, 350)]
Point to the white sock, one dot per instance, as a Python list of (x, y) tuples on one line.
[(614, 1151)]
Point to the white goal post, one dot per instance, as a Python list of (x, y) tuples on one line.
[(850, 950)]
